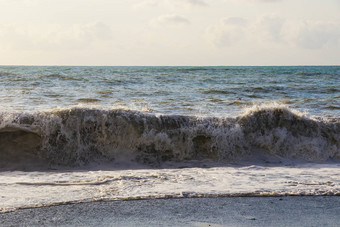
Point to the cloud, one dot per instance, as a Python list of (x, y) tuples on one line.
[(227, 32), (237, 21), (272, 28), (194, 3), (170, 20), (148, 4), (273, 31), (316, 35), (269, 1), (53, 37), (175, 4), (26, 2), (99, 30)]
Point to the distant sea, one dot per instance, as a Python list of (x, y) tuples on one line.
[(195, 91), (171, 132)]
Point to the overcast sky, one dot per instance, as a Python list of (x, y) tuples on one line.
[(169, 32)]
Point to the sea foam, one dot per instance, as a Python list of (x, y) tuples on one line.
[(78, 136)]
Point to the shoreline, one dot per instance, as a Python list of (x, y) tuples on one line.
[(218, 211)]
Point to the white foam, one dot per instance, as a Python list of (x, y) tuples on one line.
[(34, 189)]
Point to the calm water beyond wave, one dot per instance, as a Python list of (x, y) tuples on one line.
[(203, 91)]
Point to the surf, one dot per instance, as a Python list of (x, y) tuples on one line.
[(78, 136)]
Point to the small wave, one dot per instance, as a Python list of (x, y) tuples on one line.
[(254, 96), (6, 74), (308, 73), (54, 75), (333, 90), (54, 95), (36, 184), (240, 102), (18, 79), (69, 78), (105, 92), (80, 135), (191, 69), (88, 100), (59, 76), (215, 91), (333, 107), (264, 89)]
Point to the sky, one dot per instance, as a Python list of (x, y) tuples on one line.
[(169, 32)]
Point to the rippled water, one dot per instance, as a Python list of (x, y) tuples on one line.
[(204, 91)]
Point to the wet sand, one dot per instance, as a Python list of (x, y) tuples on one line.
[(222, 211)]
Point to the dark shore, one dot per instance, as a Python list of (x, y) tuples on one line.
[(222, 211)]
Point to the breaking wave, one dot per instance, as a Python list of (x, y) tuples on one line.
[(78, 136)]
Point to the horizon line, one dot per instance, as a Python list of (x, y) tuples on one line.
[(52, 65)]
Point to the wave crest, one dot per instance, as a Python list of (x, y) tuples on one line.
[(79, 135)]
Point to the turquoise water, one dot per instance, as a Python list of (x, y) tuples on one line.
[(198, 91)]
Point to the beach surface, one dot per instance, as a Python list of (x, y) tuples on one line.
[(221, 211)]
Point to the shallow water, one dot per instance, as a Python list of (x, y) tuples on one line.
[(34, 189)]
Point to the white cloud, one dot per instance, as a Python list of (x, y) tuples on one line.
[(272, 31), (271, 28), (193, 3), (237, 21), (148, 4), (316, 35), (53, 37), (170, 20), (174, 4), (227, 32), (99, 30), (269, 1)]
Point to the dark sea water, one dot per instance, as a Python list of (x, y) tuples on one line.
[(252, 126)]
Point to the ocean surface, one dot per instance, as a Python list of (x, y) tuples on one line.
[(194, 91), (72, 134)]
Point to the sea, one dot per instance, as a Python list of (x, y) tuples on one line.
[(72, 134)]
